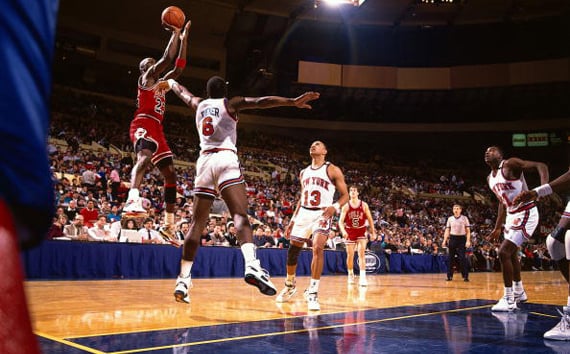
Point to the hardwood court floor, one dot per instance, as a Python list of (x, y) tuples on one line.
[(101, 316)]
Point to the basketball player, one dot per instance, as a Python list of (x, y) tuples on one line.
[(506, 180), (218, 172), (313, 216), (352, 225), (27, 38), (558, 243), (146, 131), (458, 232)]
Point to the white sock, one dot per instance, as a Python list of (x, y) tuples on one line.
[(134, 194), (314, 285), (518, 286), (568, 301), (350, 272), (248, 250), (362, 273), (290, 279), (509, 294), (168, 219), (185, 268)]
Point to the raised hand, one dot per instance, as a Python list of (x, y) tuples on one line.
[(301, 101), (171, 28), (186, 31)]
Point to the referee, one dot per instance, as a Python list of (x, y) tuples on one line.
[(459, 235)]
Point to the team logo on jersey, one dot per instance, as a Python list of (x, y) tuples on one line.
[(373, 262), (140, 133), (517, 221)]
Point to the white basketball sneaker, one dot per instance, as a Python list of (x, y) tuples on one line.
[(504, 305), (257, 276), (362, 281), (562, 330), (520, 297), (183, 285), (167, 233), (134, 206), (312, 301), (288, 291)]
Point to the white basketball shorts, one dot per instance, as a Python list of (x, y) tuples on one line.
[(520, 226), (308, 222), (217, 171)]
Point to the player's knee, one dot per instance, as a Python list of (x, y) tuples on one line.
[(241, 221), (558, 233), (143, 161), (555, 248), (318, 248), (293, 254)]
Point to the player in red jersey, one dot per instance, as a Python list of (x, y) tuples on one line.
[(352, 225), (146, 131)]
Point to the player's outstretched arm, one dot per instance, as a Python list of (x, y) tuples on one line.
[(558, 185), (302, 101), (180, 91)]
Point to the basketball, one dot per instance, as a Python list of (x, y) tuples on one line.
[(173, 16)]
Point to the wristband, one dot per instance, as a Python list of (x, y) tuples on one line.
[(336, 205), (171, 83), (180, 63), (543, 190)]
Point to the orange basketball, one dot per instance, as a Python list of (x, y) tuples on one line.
[(173, 16)]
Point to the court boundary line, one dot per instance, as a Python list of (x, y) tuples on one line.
[(64, 341), (273, 334)]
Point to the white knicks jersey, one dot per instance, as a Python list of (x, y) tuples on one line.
[(318, 189), (216, 126), (506, 190)]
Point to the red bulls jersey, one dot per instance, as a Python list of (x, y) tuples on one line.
[(150, 103), (355, 220)]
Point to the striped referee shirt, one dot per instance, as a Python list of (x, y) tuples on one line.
[(457, 226)]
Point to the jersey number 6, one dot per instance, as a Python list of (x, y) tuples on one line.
[(207, 126)]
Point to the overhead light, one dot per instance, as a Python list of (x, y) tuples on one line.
[(339, 2), (437, 2)]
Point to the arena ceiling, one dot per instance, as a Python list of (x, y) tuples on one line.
[(238, 38), (408, 12), (216, 17)]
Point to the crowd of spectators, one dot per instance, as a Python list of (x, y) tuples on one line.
[(409, 209)]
